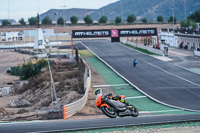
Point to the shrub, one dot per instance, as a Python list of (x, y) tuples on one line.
[(28, 70), (15, 71)]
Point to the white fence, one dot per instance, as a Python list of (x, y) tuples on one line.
[(150, 49), (73, 108)]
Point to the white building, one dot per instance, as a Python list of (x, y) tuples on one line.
[(188, 41), (169, 38), (11, 36), (46, 32)]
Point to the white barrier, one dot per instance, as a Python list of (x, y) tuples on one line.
[(73, 108), (197, 53), (150, 49)]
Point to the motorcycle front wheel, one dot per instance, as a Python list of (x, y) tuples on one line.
[(134, 112), (110, 112)]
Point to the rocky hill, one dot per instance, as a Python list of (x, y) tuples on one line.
[(141, 8)]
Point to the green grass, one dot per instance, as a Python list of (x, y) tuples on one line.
[(196, 70), (85, 53), (139, 49), (143, 104)]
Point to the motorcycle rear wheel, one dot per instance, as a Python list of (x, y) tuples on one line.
[(110, 112)]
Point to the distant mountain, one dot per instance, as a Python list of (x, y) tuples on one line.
[(54, 14), (141, 8)]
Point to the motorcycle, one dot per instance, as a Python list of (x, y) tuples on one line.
[(113, 108)]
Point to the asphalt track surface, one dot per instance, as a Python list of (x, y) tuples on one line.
[(77, 125), (161, 81)]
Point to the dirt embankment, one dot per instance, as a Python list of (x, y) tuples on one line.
[(35, 98)]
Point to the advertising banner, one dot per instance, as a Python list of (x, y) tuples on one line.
[(138, 32), (114, 33), (90, 33)]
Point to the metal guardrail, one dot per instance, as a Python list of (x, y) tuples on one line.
[(73, 108)]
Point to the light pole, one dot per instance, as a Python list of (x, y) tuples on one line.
[(173, 23), (121, 10), (63, 7), (8, 10), (173, 17), (185, 8)]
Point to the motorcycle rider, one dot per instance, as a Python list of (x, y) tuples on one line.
[(99, 91), (134, 63)]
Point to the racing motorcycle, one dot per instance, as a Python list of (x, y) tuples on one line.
[(113, 108)]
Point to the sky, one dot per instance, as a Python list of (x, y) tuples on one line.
[(17, 9)]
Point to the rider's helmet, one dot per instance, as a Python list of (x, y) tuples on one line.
[(98, 91)]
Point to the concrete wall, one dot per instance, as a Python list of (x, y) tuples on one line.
[(197, 53), (150, 49)]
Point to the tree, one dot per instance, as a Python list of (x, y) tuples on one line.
[(6, 22), (74, 19), (131, 18), (47, 20), (195, 16), (60, 20), (88, 19), (171, 19), (103, 20), (118, 20), (144, 20), (159, 18), (188, 23), (22, 22), (32, 21)]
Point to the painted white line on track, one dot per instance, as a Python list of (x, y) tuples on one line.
[(25, 122), (96, 86), (162, 111), (187, 69), (131, 82), (137, 97), (174, 75)]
